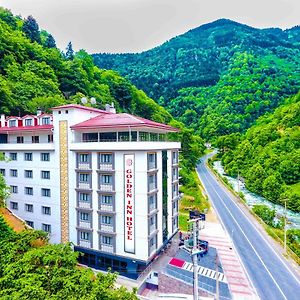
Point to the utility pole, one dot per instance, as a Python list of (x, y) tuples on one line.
[(195, 252), (238, 182), (217, 277)]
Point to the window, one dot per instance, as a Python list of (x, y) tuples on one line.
[(106, 220), (175, 190), (46, 227), (28, 190), (35, 139), (90, 137), (151, 161), (28, 122), (45, 156), (46, 210), (14, 189), (29, 207), (84, 216), (50, 138), (106, 179), (13, 173), (175, 157), (30, 223), (20, 139), (14, 205), (12, 123), (84, 235), (83, 158), (174, 174), (45, 120), (106, 240), (28, 156), (45, 174), (105, 158), (84, 177), (13, 156), (2, 172), (152, 182), (152, 202), (45, 192), (84, 197), (28, 174), (106, 199)]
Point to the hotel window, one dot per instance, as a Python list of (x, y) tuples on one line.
[(84, 216), (50, 138), (28, 122), (20, 139), (84, 235), (28, 156), (84, 177), (12, 123), (106, 158), (175, 190), (28, 190), (84, 197), (107, 240), (13, 156), (46, 210), (30, 223), (106, 179), (2, 172), (28, 174), (46, 227), (13, 173), (106, 220), (83, 158), (45, 174), (152, 182), (35, 139), (152, 202), (106, 199), (90, 137), (45, 156), (29, 207), (144, 136), (14, 189), (152, 161), (45, 192), (175, 157), (14, 205), (174, 173), (46, 121)]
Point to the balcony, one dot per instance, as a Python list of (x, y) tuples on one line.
[(106, 207), (84, 166), (107, 248), (106, 167), (84, 185), (106, 187), (84, 204), (85, 224), (85, 244), (107, 228)]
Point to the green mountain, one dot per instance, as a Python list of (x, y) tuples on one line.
[(217, 78), (268, 155), (34, 73)]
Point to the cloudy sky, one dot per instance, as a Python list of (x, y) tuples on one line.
[(137, 25)]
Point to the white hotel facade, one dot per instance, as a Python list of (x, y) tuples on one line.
[(106, 182)]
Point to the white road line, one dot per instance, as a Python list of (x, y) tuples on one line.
[(247, 239)]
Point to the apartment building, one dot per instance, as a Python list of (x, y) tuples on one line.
[(104, 181)]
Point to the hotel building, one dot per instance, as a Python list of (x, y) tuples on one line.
[(104, 181)]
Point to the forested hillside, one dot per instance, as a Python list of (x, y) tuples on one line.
[(218, 78), (268, 155)]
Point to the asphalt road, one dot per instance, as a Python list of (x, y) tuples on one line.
[(269, 274)]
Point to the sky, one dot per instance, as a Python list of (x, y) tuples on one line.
[(120, 26)]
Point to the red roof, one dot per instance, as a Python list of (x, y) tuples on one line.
[(26, 128), (68, 106), (120, 121)]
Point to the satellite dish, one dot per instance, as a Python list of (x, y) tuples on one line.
[(93, 100), (83, 100)]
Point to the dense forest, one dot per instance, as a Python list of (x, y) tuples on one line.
[(217, 78), (267, 156)]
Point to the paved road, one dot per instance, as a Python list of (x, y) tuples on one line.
[(269, 274)]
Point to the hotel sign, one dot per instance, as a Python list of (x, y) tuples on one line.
[(129, 197)]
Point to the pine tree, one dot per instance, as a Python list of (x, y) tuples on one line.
[(69, 51), (50, 42), (31, 29)]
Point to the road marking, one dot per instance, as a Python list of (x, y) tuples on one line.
[(233, 218)]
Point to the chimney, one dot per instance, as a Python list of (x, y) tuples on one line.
[(38, 112), (110, 108), (2, 120)]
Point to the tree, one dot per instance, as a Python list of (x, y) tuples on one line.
[(31, 29), (50, 42), (69, 51)]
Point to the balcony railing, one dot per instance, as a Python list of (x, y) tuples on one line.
[(106, 207), (85, 244), (84, 185), (84, 204), (107, 228), (107, 248), (85, 224), (84, 166), (106, 187), (106, 167)]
